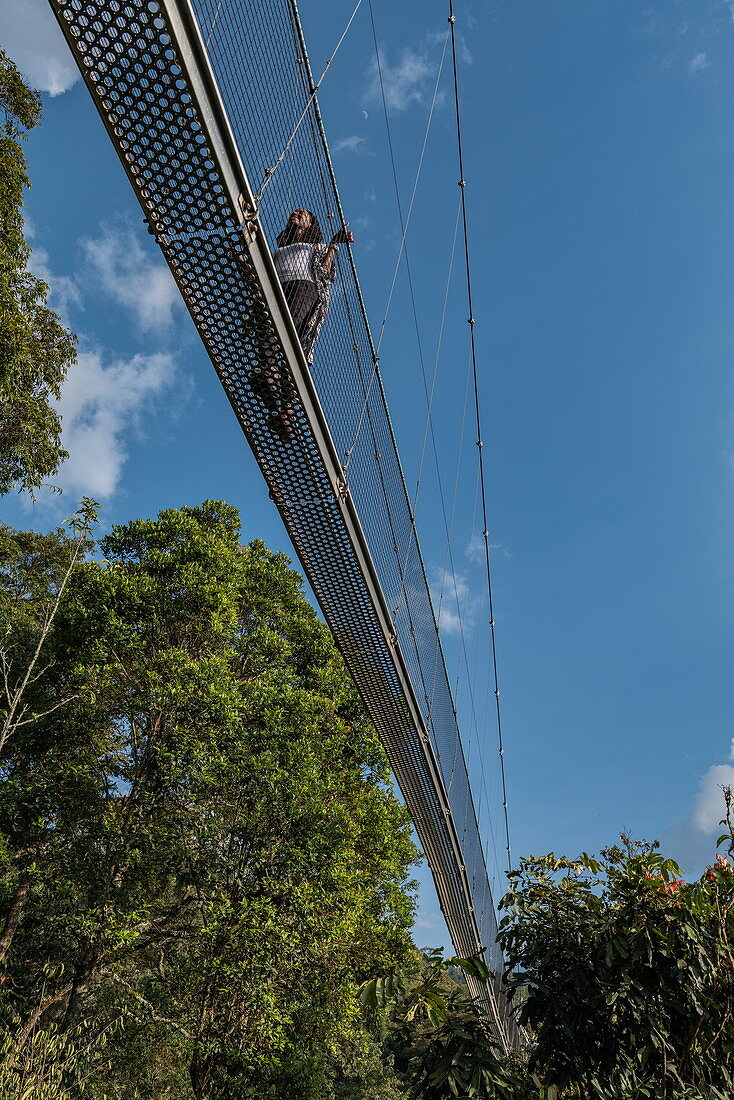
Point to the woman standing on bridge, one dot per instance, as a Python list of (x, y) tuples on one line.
[(305, 266)]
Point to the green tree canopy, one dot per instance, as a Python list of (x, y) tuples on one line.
[(35, 348), (201, 851), (624, 974)]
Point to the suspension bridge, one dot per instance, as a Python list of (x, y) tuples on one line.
[(205, 101)]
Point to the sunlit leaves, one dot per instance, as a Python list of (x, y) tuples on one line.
[(35, 349)]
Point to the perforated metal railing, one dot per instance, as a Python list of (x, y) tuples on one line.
[(196, 141)]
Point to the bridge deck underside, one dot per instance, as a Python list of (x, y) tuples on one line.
[(139, 80)]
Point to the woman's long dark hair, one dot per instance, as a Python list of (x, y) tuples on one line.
[(289, 235)]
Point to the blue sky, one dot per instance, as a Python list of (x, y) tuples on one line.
[(599, 148)]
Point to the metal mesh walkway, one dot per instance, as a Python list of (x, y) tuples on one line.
[(199, 100)]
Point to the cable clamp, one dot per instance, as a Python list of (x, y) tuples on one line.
[(342, 488), (452, 19), (250, 223), (462, 183)]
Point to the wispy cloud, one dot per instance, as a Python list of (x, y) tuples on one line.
[(465, 54), (100, 403), (406, 78), (429, 921), (351, 144), (475, 549), (63, 291), (698, 63), (664, 22), (457, 604), (134, 280), (31, 37), (457, 600), (692, 840)]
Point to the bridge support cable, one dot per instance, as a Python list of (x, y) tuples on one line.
[(149, 72), (449, 566), (480, 441)]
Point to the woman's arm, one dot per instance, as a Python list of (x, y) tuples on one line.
[(342, 236)]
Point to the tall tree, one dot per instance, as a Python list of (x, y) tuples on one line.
[(35, 348), (214, 854)]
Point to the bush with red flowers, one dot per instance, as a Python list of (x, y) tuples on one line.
[(623, 973)]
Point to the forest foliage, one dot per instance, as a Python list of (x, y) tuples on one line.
[(202, 857), (205, 883), (36, 350)]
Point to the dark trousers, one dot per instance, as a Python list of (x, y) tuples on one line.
[(273, 386), (302, 298)]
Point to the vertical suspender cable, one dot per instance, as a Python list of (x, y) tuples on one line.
[(480, 443)]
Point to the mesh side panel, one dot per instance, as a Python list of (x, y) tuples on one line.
[(132, 68)]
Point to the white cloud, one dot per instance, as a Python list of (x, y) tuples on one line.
[(98, 406), (406, 81), (429, 921), (455, 604), (475, 549), (131, 278), (31, 37), (351, 144), (103, 397), (453, 598), (698, 63), (691, 841), (63, 291), (465, 53), (709, 805)]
